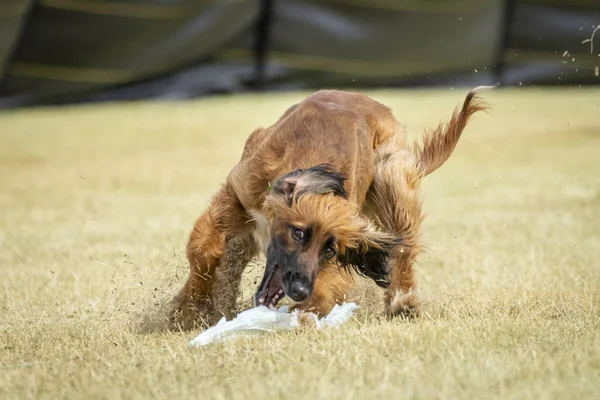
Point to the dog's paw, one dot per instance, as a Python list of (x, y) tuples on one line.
[(186, 314), (307, 321), (403, 305)]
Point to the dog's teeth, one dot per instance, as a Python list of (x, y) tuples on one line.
[(261, 300)]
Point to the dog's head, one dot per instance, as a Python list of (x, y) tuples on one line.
[(312, 224)]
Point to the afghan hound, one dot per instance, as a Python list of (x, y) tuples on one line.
[(329, 193)]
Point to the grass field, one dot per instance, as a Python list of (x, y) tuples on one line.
[(96, 203)]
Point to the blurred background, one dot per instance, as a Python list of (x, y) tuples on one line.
[(66, 51)]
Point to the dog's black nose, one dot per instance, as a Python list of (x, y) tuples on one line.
[(299, 291)]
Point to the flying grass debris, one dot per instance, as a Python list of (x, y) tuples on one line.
[(261, 319), (590, 40)]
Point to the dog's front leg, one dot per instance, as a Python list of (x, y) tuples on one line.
[(228, 275), (224, 219), (331, 288)]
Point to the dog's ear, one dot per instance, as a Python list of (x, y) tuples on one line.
[(319, 179), (368, 253), (286, 186)]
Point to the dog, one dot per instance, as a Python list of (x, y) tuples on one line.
[(328, 193)]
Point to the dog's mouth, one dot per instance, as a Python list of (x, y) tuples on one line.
[(270, 292)]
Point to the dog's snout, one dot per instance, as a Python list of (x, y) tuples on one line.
[(299, 290)]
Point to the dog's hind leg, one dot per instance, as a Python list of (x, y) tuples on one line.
[(224, 220), (394, 203), (394, 200)]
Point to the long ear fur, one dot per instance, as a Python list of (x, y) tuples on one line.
[(319, 179), (439, 143), (368, 254)]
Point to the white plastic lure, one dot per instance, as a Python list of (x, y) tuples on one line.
[(260, 320)]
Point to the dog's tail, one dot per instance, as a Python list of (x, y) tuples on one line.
[(439, 143)]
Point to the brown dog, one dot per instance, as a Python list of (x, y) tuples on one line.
[(327, 193)]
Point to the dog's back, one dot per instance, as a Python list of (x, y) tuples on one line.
[(327, 104), (342, 129), (346, 130), (378, 117)]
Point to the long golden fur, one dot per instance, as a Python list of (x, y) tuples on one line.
[(329, 193)]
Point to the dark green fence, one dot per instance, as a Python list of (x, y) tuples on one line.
[(57, 51)]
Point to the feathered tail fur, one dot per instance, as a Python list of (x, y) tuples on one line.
[(439, 143)]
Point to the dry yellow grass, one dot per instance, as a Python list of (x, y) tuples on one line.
[(96, 203)]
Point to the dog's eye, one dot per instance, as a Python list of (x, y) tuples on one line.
[(298, 234), (328, 253)]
